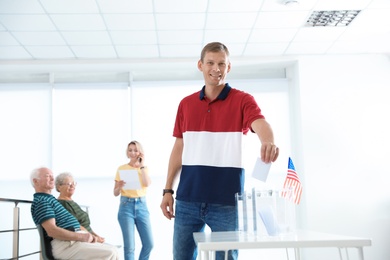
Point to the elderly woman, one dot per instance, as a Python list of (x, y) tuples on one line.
[(66, 186)]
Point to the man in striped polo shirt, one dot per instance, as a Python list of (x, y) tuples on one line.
[(68, 241), (207, 153)]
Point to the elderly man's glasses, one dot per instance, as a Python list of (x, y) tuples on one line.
[(70, 184)]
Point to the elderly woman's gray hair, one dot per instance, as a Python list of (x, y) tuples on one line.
[(61, 178)]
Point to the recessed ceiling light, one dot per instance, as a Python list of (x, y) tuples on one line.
[(291, 2), (332, 18)]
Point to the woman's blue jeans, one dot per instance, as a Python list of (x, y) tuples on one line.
[(133, 212), (192, 217)]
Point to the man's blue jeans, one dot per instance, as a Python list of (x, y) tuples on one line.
[(133, 212), (192, 217)]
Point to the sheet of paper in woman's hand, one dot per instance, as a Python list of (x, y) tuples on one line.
[(131, 179), (261, 170)]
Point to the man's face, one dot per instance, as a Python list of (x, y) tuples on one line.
[(215, 66), (45, 181)]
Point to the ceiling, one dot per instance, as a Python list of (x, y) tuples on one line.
[(165, 29)]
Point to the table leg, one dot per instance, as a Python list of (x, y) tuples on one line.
[(361, 255), (204, 255), (340, 254), (297, 254), (213, 255)]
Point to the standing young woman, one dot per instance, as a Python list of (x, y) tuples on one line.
[(131, 182)]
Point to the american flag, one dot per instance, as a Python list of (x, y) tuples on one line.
[(292, 183)]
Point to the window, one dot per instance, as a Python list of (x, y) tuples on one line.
[(84, 128), (91, 127), (25, 116)]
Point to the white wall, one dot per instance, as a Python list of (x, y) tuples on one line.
[(345, 133)]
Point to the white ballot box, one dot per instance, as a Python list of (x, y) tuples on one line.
[(266, 212)]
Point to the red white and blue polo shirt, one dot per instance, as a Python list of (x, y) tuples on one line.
[(212, 132)]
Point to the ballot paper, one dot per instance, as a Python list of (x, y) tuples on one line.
[(261, 170), (269, 219), (131, 179)]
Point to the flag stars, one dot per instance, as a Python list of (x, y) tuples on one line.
[(293, 183)]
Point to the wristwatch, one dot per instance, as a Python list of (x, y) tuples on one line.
[(168, 191)]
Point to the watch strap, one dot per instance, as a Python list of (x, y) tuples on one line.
[(168, 191)]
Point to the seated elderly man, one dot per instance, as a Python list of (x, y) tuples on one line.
[(68, 242)]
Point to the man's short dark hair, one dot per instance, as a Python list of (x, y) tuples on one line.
[(214, 47)]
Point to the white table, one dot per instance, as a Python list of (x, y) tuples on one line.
[(208, 243)]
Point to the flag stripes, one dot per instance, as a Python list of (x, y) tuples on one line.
[(292, 183)]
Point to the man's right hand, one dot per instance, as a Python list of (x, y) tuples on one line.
[(167, 206), (86, 237)]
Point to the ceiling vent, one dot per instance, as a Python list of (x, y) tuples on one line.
[(332, 18)]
